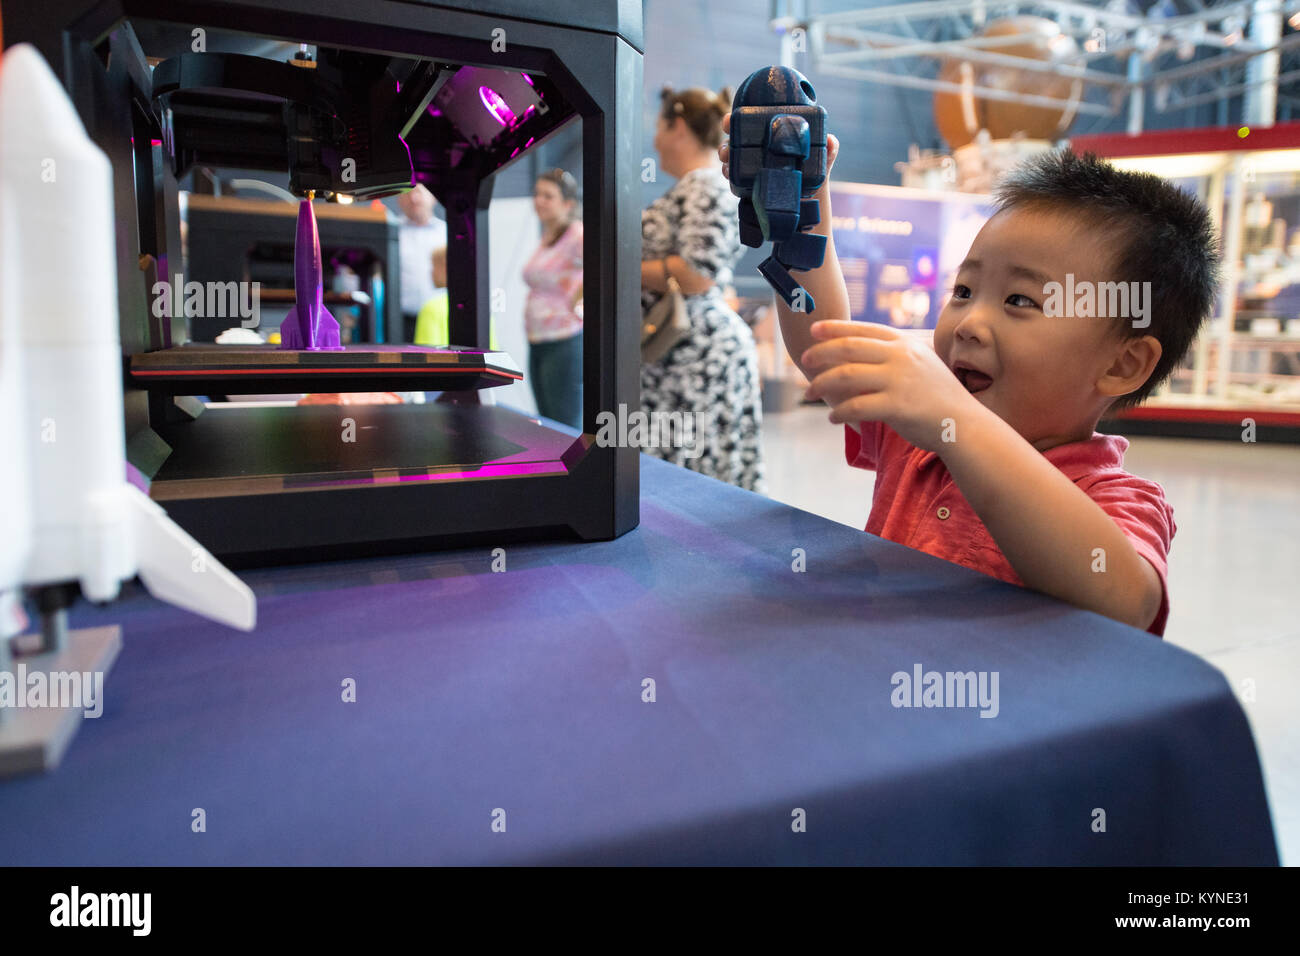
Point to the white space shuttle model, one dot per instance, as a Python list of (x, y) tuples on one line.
[(70, 514)]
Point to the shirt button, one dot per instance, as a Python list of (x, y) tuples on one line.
[(943, 514)]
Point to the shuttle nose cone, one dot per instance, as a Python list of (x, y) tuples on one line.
[(34, 109)]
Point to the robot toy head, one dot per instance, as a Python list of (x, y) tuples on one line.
[(775, 86), (765, 96)]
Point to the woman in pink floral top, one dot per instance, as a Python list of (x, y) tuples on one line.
[(553, 312)]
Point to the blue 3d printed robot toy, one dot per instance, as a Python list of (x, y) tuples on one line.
[(778, 161)]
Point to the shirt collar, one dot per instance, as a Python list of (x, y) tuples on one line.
[(1092, 454)]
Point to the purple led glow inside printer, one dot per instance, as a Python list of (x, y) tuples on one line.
[(496, 105)]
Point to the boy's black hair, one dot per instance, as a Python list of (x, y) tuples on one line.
[(1162, 235)]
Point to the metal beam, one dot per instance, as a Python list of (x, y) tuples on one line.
[(1192, 69), (984, 92), (964, 51), (1224, 92)]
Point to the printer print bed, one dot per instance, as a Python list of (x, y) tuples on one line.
[(306, 441), (205, 368)]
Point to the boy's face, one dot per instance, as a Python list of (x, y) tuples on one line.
[(1039, 373)]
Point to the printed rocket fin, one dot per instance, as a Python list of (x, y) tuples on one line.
[(177, 569)]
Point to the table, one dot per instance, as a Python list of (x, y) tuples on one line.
[(482, 691)]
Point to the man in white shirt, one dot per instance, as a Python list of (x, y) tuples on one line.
[(421, 233)]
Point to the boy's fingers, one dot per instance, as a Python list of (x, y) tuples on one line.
[(843, 382), (861, 408), (726, 122), (827, 329), (844, 349)]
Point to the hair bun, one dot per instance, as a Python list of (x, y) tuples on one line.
[(700, 109)]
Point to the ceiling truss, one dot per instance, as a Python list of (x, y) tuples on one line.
[(1183, 53)]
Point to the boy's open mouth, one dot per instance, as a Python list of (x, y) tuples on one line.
[(972, 379)]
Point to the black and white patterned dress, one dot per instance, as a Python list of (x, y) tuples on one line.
[(714, 368)]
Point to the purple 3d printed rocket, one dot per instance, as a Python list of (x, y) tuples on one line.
[(309, 324)]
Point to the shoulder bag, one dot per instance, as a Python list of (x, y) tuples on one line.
[(664, 324)]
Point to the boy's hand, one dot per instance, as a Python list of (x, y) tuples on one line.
[(870, 372), (724, 151)]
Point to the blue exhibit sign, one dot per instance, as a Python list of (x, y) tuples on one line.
[(900, 249)]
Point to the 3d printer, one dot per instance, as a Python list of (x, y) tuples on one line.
[(381, 95)]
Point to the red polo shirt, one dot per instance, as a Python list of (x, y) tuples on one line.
[(917, 503)]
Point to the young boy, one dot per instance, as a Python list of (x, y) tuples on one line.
[(985, 445), (431, 320)]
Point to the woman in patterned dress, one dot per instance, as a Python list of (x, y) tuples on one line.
[(691, 233)]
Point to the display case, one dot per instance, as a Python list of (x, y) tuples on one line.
[(1242, 378)]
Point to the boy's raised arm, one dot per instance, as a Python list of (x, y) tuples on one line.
[(826, 286)]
